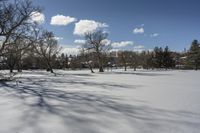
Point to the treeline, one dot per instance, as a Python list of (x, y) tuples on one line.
[(26, 45), (159, 58)]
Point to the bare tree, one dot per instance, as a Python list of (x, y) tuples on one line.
[(96, 42), (47, 47), (15, 52), (124, 58), (15, 21), (87, 55), (134, 60), (15, 25)]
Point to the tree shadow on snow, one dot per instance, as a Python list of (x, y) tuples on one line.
[(87, 112)]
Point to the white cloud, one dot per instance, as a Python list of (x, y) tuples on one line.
[(79, 41), (138, 30), (70, 50), (142, 25), (154, 35), (37, 17), (122, 44), (106, 42), (84, 26), (139, 48), (58, 38), (62, 20)]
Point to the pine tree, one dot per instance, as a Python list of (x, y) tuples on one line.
[(167, 58), (193, 59), (158, 58)]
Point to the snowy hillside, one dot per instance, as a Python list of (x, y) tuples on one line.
[(112, 102)]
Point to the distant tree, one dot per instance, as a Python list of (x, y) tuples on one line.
[(158, 57), (75, 62), (168, 61), (147, 59), (63, 61), (124, 59), (194, 55), (96, 42), (11, 60), (47, 47), (110, 61), (66, 61), (134, 60), (29, 60), (87, 57)]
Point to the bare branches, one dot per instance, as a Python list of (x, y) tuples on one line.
[(95, 42), (15, 21), (47, 47)]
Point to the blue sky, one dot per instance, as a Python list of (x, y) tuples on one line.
[(156, 22)]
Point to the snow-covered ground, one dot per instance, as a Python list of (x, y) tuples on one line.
[(111, 102)]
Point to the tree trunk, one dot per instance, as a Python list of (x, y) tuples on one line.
[(50, 67), (19, 68), (11, 70), (196, 67), (100, 63), (48, 61), (91, 68), (101, 69), (125, 68)]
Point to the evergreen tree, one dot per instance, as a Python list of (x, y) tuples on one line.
[(193, 58), (66, 61), (158, 58), (167, 58), (63, 62)]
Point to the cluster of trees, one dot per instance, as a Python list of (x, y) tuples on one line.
[(21, 37), (95, 53), (193, 56), (158, 58), (26, 45)]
